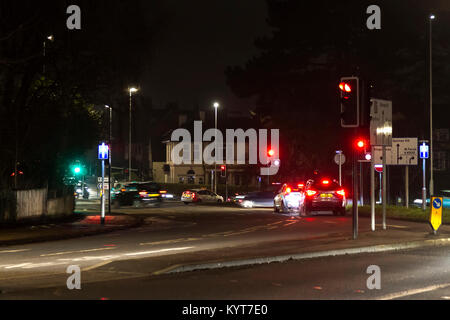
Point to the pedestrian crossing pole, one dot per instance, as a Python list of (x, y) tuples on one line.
[(103, 154)]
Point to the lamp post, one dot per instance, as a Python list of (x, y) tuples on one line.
[(216, 106), (432, 17), (110, 156), (50, 38), (131, 91)]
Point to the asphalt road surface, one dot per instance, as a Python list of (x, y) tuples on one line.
[(127, 264)]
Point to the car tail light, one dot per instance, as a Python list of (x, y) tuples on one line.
[(123, 190), (163, 192), (341, 192), (311, 193), (194, 195), (301, 185), (288, 190), (143, 193), (326, 182)]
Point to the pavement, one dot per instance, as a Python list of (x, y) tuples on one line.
[(84, 225)]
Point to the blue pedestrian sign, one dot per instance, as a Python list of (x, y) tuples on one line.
[(103, 152), (424, 151)]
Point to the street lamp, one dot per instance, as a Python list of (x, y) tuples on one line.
[(216, 106), (110, 153), (432, 17), (49, 38), (131, 91)]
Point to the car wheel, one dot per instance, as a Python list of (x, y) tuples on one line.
[(305, 211), (283, 208), (343, 212), (275, 209), (219, 201), (186, 203)]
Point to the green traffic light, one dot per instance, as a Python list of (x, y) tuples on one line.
[(77, 170)]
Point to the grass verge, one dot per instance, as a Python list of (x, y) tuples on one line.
[(402, 213)]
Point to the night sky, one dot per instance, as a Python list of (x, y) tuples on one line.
[(198, 40)]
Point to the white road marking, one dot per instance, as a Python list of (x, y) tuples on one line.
[(79, 251), (411, 292), (156, 251), (14, 251)]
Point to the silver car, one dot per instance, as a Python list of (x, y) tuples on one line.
[(289, 198), (200, 195)]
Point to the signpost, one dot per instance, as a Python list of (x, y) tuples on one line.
[(436, 213), (103, 154), (424, 154), (403, 152), (380, 135), (339, 159)]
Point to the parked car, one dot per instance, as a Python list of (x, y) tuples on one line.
[(324, 195), (262, 199), (200, 195), (138, 195)]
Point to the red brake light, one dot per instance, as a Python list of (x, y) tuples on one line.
[(311, 193), (143, 193), (288, 190), (163, 192), (341, 192), (301, 185), (325, 182)]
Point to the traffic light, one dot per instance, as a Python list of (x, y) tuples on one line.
[(270, 152), (77, 169), (223, 171), (362, 145), (349, 93)]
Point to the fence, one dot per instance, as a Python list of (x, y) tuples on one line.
[(27, 204)]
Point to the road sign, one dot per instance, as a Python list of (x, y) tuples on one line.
[(103, 152), (105, 186), (379, 168), (381, 122), (339, 159), (424, 151), (403, 152), (436, 213), (99, 179)]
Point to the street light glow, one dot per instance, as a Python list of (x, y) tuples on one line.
[(432, 17), (216, 105), (50, 37), (133, 90)]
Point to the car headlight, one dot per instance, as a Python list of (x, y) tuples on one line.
[(247, 204)]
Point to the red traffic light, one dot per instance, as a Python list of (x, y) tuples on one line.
[(271, 153), (344, 86), (361, 144), (223, 168)]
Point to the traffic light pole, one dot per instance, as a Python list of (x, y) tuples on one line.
[(355, 191), (372, 190)]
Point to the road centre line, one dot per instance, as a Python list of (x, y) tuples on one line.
[(78, 251)]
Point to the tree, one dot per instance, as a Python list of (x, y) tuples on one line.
[(294, 78)]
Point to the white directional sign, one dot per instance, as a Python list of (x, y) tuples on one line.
[(381, 122), (403, 152), (99, 179)]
